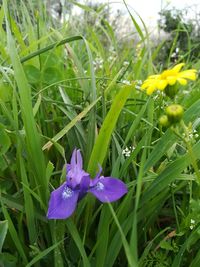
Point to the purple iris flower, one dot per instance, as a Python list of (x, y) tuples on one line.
[(64, 199)]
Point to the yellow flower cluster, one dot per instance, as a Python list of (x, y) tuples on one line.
[(168, 77)]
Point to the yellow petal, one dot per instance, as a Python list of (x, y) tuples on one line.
[(154, 76), (150, 89), (144, 85), (188, 74), (147, 83), (178, 67), (167, 73), (171, 80), (182, 81), (161, 84)]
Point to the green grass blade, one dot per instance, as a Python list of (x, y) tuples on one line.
[(28, 203), (50, 47), (103, 237), (131, 260), (60, 134), (92, 115), (3, 232), (32, 136), (42, 254), (14, 234), (102, 142), (179, 256), (75, 235), (170, 173), (139, 30)]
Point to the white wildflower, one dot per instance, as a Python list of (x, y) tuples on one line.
[(192, 224), (126, 82), (138, 84), (125, 63), (98, 63), (127, 151)]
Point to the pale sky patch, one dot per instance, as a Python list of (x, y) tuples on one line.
[(149, 9)]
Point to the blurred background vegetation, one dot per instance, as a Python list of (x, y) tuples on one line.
[(180, 31)]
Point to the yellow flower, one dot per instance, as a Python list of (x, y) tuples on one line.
[(168, 77)]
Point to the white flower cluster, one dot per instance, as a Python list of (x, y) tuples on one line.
[(98, 63), (125, 63), (138, 84), (193, 134), (126, 82), (112, 55), (127, 151), (192, 224)]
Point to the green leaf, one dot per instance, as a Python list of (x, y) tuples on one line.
[(179, 256), (102, 142), (166, 245), (49, 170), (129, 255), (43, 253), (32, 74), (33, 142), (3, 232), (76, 237), (169, 174), (49, 60), (4, 140), (13, 233), (8, 260), (5, 92), (69, 125), (51, 75), (103, 237), (50, 47)]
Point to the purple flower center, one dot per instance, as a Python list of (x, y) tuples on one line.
[(99, 186), (67, 193)]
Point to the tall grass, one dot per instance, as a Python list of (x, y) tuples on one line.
[(55, 95)]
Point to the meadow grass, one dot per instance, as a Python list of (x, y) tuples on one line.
[(63, 88)]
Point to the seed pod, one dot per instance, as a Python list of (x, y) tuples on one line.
[(174, 113), (163, 121)]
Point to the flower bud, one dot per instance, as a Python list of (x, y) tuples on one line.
[(163, 121), (174, 113)]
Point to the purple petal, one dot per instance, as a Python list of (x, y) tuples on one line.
[(68, 167), (84, 185), (76, 159), (75, 176), (79, 160), (85, 182), (75, 173), (62, 202), (73, 158), (108, 189)]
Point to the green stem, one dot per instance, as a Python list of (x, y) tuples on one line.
[(175, 212), (49, 47)]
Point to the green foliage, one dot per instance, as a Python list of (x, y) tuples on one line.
[(64, 86)]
